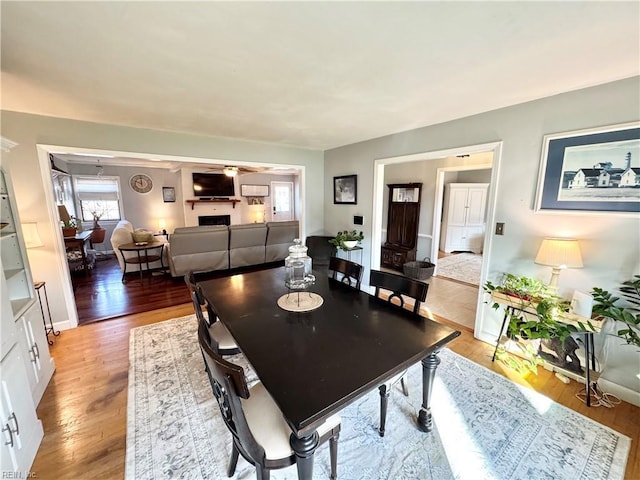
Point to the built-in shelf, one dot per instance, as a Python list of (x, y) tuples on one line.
[(214, 200)]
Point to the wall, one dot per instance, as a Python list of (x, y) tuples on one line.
[(31, 181), (609, 242), (142, 210)]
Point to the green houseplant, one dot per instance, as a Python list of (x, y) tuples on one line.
[(607, 305), (69, 227), (540, 322), (346, 239)]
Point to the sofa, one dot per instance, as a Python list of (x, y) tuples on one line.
[(123, 234), (211, 248)]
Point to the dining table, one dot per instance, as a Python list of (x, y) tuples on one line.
[(315, 363)]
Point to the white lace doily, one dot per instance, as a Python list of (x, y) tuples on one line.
[(300, 301)]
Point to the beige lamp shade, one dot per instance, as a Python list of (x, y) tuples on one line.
[(31, 235), (63, 213), (559, 253)]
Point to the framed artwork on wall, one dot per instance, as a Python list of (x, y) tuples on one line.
[(168, 194), (594, 171), (345, 190)]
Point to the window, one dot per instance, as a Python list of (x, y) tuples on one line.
[(98, 196)]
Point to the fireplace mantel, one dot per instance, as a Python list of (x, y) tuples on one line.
[(213, 200)]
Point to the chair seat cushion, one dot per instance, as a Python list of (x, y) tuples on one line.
[(218, 331), (268, 425)]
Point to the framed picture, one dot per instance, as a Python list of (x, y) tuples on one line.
[(595, 170), (168, 194), (345, 189)]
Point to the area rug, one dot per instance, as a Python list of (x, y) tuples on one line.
[(463, 267), (486, 427)]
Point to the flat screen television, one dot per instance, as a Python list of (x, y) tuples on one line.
[(212, 185)]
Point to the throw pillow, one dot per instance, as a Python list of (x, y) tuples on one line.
[(140, 235)]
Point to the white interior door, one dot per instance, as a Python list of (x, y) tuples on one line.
[(281, 201)]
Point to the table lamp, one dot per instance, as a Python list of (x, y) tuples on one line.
[(559, 253)]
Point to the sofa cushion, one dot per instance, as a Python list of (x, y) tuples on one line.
[(198, 249), (280, 237), (247, 244)]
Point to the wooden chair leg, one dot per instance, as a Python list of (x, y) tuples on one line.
[(233, 461), (262, 473), (333, 451), (403, 383), (384, 400)]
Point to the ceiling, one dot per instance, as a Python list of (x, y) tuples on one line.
[(315, 75)]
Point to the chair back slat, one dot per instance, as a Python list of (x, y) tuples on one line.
[(198, 299), (351, 271), (229, 386), (399, 285)]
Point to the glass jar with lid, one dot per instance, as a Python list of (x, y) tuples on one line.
[(297, 266)]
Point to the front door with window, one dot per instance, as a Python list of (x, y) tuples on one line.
[(281, 201)]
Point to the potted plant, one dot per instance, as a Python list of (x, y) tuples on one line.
[(98, 233), (69, 227), (534, 313), (346, 240), (607, 305)]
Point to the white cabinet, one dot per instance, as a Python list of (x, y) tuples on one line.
[(463, 219), (33, 341), (21, 430), (26, 366)]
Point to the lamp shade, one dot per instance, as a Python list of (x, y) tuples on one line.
[(560, 253), (31, 235)]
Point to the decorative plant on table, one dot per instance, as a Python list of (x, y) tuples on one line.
[(69, 227), (97, 214), (541, 323), (347, 239), (606, 305)]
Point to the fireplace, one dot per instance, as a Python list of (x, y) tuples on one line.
[(214, 220)]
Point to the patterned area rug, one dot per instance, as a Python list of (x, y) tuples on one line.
[(486, 427), (464, 267)]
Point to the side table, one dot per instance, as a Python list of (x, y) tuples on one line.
[(41, 286), (143, 256)]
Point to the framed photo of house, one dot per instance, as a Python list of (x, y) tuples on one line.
[(168, 194), (345, 189), (591, 171)]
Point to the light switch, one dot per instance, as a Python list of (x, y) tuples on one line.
[(499, 228)]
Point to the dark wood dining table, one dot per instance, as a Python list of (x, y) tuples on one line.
[(316, 363)]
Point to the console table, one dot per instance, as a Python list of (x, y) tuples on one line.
[(512, 305), (144, 256), (78, 242)]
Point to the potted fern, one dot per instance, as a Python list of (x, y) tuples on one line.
[(606, 305)]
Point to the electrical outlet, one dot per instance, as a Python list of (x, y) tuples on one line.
[(499, 228)]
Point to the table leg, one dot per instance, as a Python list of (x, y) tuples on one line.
[(304, 448), (587, 357), (429, 365), (504, 321), (84, 259), (140, 265)]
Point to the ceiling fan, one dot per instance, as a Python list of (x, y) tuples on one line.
[(233, 170)]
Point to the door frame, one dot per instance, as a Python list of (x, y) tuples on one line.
[(378, 198)]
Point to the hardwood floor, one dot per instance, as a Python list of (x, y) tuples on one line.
[(102, 295), (84, 408)]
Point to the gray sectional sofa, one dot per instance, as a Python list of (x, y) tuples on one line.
[(210, 248)]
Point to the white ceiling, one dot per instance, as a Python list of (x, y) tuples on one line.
[(309, 74)]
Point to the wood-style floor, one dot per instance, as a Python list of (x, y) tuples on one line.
[(84, 408), (101, 294)]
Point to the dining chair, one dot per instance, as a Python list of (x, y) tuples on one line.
[(320, 250), (351, 271), (400, 287), (226, 343), (260, 433)]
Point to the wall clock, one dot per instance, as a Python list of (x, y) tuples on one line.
[(141, 183)]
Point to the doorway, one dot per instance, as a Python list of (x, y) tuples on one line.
[(282, 206), (430, 229)]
